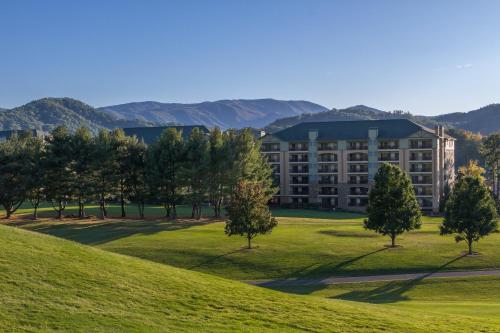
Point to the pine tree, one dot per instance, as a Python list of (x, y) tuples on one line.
[(136, 188), (217, 171), (490, 150), (36, 172), (82, 152), (392, 205)]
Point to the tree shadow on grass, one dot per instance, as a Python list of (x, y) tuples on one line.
[(100, 232), (391, 292)]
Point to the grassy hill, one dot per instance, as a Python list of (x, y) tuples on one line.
[(49, 284), (306, 244), (47, 113)]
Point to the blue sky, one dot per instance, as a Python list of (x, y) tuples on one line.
[(427, 57)]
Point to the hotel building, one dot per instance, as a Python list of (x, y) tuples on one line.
[(332, 164)]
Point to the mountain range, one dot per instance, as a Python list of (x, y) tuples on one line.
[(45, 114), (225, 114)]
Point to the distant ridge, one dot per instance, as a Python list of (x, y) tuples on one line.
[(225, 114)]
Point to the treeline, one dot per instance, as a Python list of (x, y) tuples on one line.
[(78, 167)]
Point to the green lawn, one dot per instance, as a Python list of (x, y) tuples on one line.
[(324, 244), (49, 284), (472, 296)]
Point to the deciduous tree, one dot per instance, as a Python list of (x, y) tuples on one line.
[(248, 212), (392, 205)]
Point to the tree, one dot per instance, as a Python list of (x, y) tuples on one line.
[(167, 156), (249, 214), (36, 172), (195, 170), (82, 150), (13, 174), (392, 205), (120, 148), (135, 175), (104, 169), (472, 168), (59, 175), (217, 171), (490, 150), (470, 211)]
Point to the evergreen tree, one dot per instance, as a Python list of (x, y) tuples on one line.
[(135, 174), (196, 170), (470, 211), (104, 169), (392, 205), (82, 152), (167, 158), (249, 214), (36, 172), (120, 151), (59, 177), (490, 150), (14, 174), (217, 171)]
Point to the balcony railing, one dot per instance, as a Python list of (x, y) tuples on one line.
[(414, 144), (358, 180), (357, 145), (327, 146), (328, 191), (388, 157), (421, 168), (358, 191), (328, 170), (298, 147), (420, 157), (421, 180), (388, 145), (358, 158), (270, 147), (299, 170), (299, 158), (358, 168), (298, 180), (325, 181), (327, 158)]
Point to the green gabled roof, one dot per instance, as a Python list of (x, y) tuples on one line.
[(151, 134), (352, 130)]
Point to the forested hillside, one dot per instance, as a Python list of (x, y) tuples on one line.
[(47, 113)]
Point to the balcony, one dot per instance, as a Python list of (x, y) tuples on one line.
[(298, 147), (421, 167), (425, 203), (388, 157), (299, 180), (358, 202), (327, 158), (357, 145), (327, 180), (358, 191), (421, 180), (275, 168), (358, 180), (299, 191), (423, 190), (273, 158), (270, 147), (392, 144), (328, 191), (358, 157), (420, 144), (356, 168), (328, 169), (327, 146), (298, 158), (299, 169), (421, 156)]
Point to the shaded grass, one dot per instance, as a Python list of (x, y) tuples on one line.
[(307, 247), (48, 284), (472, 296)]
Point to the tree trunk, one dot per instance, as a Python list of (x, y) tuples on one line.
[(8, 213), (393, 240), (469, 244), (174, 211), (249, 242), (122, 202), (193, 210), (35, 212), (140, 208)]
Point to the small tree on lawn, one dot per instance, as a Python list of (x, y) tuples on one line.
[(248, 212), (392, 205), (470, 211)]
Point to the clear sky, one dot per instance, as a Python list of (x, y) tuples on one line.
[(427, 57)]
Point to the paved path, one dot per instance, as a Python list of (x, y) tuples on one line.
[(372, 278)]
